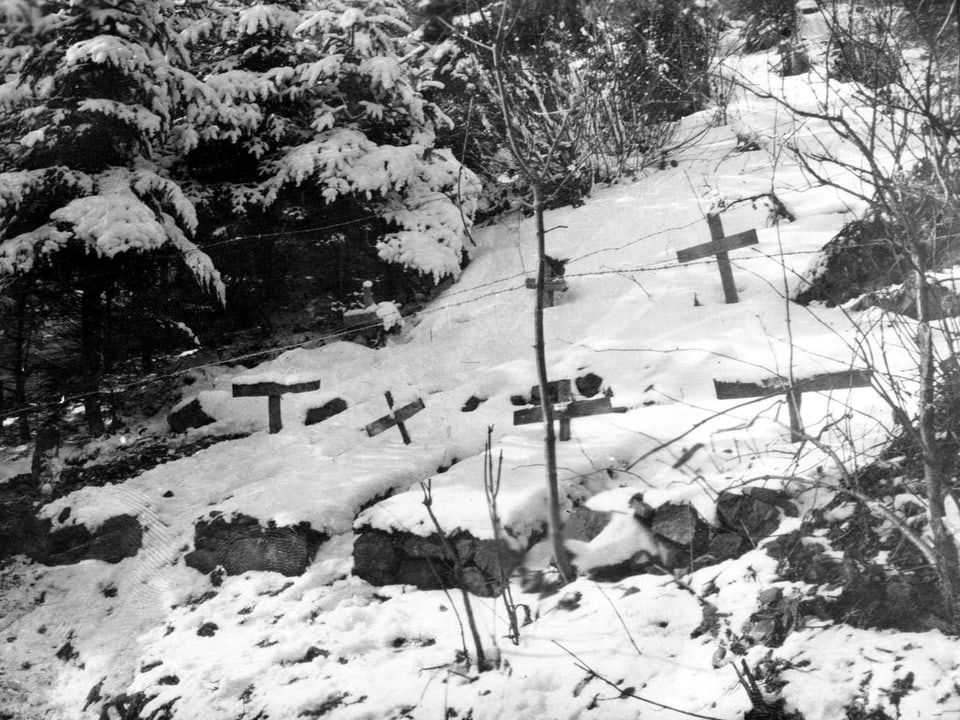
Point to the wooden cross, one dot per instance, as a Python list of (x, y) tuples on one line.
[(844, 379), (551, 284), (273, 391), (368, 315), (395, 418), (720, 246), (565, 407)]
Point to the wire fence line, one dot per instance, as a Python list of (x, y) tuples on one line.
[(655, 266)]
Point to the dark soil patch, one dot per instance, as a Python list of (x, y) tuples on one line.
[(128, 462)]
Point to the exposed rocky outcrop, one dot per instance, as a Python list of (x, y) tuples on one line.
[(675, 535), (856, 261), (383, 558), (240, 543), (22, 532), (117, 538)]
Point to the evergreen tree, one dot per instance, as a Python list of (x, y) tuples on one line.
[(319, 112), (92, 90)]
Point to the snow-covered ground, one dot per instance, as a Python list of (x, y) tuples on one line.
[(658, 334)]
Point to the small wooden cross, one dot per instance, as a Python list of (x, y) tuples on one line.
[(565, 407), (273, 391), (720, 246), (395, 418), (551, 284), (368, 315), (842, 380)]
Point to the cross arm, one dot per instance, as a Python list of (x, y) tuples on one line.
[(273, 388), (724, 244)]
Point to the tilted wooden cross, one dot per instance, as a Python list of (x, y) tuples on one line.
[(395, 418), (367, 315), (720, 246), (843, 380), (551, 284), (564, 407), (272, 391)]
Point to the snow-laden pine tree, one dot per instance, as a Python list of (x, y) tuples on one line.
[(321, 104), (90, 94)]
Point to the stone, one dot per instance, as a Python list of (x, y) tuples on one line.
[(777, 498), (424, 547), (584, 524), (117, 538), (747, 515), (472, 403), (553, 392), (424, 573), (188, 416), (727, 546), (588, 385), (495, 562), (241, 544), (383, 558), (857, 260), (681, 523), (327, 410), (376, 558)]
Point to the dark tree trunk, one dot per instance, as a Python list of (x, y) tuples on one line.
[(554, 520), (44, 468), (20, 366), (948, 561), (91, 352)]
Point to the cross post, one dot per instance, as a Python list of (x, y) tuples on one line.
[(843, 380), (273, 391), (720, 246), (565, 407), (396, 419), (365, 316), (551, 284)]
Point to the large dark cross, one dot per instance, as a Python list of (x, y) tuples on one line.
[(842, 380), (273, 391), (564, 407), (720, 246), (395, 418)]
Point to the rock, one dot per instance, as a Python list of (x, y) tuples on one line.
[(681, 523), (375, 558), (423, 547), (728, 545), (642, 510), (472, 403), (857, 260), (588, 385), (777, 498), (208, 629), (424, 573), (584, 524), (747, 515), (553, 392), (188, 416), (383, 558), (495, 561), (117, 538), (241, 544), (327, 410)]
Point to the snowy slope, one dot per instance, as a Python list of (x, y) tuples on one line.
[(658, 333)]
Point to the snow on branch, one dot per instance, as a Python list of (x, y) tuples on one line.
[(109, 49)]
